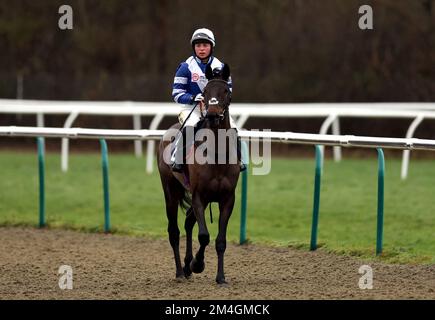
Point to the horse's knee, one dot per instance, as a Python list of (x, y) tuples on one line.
[(174, 235), (221, 245), (204, 239), (189, 223)]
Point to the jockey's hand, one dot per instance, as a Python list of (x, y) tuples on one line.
[(198, 98)]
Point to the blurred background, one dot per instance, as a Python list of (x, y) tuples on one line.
[(279, 51)]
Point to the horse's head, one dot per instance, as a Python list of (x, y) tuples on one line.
[(217, 93)]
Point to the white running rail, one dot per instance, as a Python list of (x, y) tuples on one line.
[(332, 112)]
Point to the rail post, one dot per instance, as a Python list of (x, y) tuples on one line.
[(316, 203), (105, 166), (41, 167), (244, 200), (380, 216)]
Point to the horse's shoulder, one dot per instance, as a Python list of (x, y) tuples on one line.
[(170, 133)]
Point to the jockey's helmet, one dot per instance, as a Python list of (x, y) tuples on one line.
[(201, 35)]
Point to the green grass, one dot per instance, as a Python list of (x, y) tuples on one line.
[(279, 204)]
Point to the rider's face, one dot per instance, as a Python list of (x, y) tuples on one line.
[(202, 50)]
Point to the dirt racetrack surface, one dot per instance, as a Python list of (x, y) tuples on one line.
[(121, 267)]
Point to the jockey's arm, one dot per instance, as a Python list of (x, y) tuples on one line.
[(180, 85)]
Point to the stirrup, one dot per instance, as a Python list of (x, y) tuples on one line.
[(242, 167), (177, 167)]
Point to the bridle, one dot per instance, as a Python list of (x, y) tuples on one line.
[(214, 101)]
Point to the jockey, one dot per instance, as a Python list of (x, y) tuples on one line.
[(189, 84)]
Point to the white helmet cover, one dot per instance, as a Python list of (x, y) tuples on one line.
[(203, 34)]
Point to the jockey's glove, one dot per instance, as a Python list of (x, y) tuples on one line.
[(198, 98)]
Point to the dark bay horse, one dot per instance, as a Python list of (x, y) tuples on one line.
[(201, 184)]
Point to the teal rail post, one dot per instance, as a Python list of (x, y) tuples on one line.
[(316, 205), (245, 156), (380, 218), (105, 165), (41, 165)]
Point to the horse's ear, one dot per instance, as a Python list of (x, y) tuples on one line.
[(208, 72), (225, 72)]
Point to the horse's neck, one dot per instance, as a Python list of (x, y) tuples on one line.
[(227, 120), (225, 124)]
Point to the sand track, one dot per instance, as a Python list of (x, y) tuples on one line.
[(121, 267)]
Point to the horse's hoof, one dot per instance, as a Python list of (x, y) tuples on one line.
[(180, 279), (187, 272), (197, 266), (222, 282)]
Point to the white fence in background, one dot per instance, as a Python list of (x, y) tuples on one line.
[(273, 136), (332, 112)]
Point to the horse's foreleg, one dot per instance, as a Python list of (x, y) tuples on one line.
[(188, 226), (197, 264), (225, 208), (174, 234)]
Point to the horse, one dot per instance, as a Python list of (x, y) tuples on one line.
[(201, 184)]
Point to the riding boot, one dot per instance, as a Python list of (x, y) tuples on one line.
[(177, 158), (183, 143), (239, 154)]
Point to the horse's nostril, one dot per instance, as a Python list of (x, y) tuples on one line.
[(212, 114)]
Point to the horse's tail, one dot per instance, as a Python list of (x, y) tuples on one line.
[(186, 201)]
